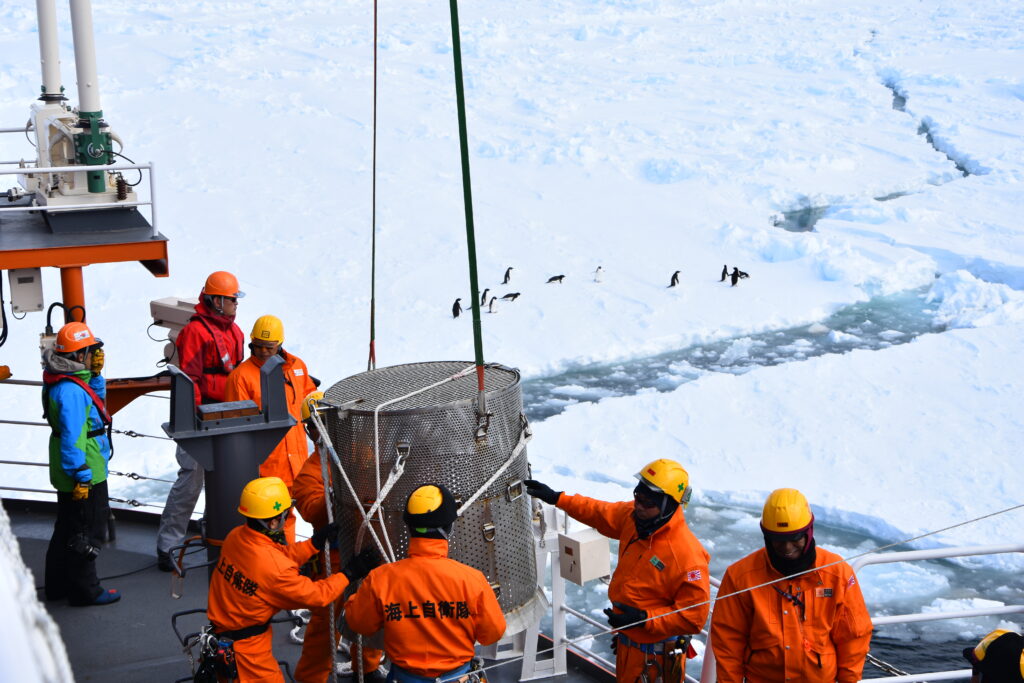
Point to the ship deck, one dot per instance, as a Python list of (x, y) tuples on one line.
[(132, 640)]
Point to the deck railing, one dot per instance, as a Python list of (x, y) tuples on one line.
[(46, 170)]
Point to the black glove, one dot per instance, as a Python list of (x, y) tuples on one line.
[(625, 616), (321, 535), (360, 565), (542, 491)]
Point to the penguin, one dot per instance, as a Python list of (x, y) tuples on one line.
[(511, 296), (508, 275), (598, 274), (556, 278), (483, 297), (735, 275), (725, 273), (456, 308), (490, 306), (744, 275), (675, 279)]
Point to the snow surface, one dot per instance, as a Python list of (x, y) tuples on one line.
[(645, 136)]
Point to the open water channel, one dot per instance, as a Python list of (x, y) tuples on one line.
[(731, 533)]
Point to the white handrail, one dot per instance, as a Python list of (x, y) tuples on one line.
[(68, 207), (46, 170), (82, 168), (936, 554), (947, 614)]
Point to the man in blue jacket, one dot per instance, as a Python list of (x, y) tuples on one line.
[(73, 404)]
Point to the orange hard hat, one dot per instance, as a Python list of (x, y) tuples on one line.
[(222, 283), (74, 337)]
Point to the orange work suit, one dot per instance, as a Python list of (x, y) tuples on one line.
[(253, 580), (286, 459), (433, 609), (762, 636), (660, 574), (317, 657), (244, 383)]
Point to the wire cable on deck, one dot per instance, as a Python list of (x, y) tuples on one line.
[(886, 666), (124, 432), (131, 475)]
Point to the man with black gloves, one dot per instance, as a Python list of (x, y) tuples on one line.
[(660, 589), (258, 574), (998, 658), (433, 609)]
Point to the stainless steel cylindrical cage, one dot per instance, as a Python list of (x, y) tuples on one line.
[(435, 434)]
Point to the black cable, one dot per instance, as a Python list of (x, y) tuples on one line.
[(133, 571), (68, 312), (130, 161), (49, 313), (3, 313)]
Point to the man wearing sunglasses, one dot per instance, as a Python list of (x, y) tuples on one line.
[(208, 349), (790, 611), (998, 658), (661, 587)]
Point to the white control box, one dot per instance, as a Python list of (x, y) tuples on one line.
[(583, 556), (172, 312), (26, 289)]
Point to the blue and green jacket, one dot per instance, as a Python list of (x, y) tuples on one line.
[(78, 437)]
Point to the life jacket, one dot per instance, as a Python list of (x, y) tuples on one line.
[(50, 379)]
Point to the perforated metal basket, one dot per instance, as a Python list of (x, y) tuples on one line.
[(438, 428)]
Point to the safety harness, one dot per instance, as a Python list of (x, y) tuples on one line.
[(217, 652), (51, 378), (226, 366), (674, 650)]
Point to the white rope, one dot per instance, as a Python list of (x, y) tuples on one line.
[(525, 435), (329, 500), (325, 441), (399, 468)]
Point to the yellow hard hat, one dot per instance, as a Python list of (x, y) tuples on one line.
[(309, 403), (669, 477), (430, 506), (222, 283), (268, 328), (264, 498), (786, 512)]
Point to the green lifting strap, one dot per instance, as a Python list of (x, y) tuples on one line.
[(478, 344)]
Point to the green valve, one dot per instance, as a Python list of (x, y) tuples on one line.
[(92, 148)]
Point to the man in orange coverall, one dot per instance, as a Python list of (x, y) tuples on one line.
[(661, 583), (286, 459), (433, 609), (810, 625), (209, 347), (257, 575), (317, 654)]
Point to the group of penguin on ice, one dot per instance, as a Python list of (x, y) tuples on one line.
[(734, 277)]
